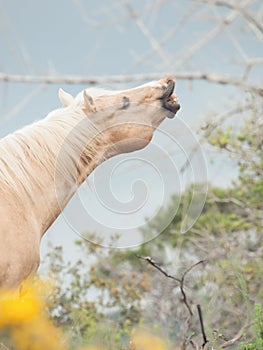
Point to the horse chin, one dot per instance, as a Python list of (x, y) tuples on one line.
[(126, 146), (131, 145)]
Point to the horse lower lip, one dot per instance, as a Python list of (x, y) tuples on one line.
[(172, 108)]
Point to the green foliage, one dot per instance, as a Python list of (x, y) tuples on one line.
[(223, 138), (256, 343), (100, 303)]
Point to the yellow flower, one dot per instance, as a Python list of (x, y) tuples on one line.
[(89, 348), (38, 335), (16, 310), (24, 320), (142, 340)]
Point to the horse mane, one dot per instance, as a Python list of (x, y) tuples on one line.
[(66, 129)]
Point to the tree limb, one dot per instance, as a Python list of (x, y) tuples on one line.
[(236, 338), (115, 79), (158, 267), (202, 325), (185, 299), (241, 9)]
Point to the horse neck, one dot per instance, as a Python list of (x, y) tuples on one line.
[(56, 155)]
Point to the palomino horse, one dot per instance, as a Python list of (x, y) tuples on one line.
[(42, 165)]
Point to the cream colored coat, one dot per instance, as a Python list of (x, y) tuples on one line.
[(42, 165)]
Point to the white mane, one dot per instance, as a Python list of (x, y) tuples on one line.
[(63, 129)]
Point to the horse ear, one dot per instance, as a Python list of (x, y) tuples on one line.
[(65, 98), (89, 105)]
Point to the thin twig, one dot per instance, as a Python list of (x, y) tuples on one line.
[(241, 9), (202, 325), (148, 35), (206, 38), (181, 285), (158, 267), (236, 338)]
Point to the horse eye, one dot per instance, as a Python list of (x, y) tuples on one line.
[(125, 102)]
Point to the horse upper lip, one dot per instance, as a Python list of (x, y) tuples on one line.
[(169, 90), (169, 101)]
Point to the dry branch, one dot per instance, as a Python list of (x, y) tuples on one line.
[(236, 338), (148, 35), (241, 9), (202, 325), (115, 79), (180, 281)]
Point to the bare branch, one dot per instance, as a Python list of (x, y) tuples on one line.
[(236, 338), (202, 325), (182, 284), (241, 9), (170, 34), (210, 125), (208, 36), (115, 79), (158, 267), (185, 300), (153, 42)]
